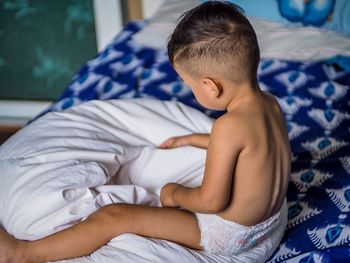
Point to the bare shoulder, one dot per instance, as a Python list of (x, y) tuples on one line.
[(273, 101), (227, 122), (231, 128)]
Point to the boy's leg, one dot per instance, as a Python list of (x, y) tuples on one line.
[(108, 222)]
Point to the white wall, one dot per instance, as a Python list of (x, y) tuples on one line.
[(150, 7), (20, 112), (108, 21), (108, 18)]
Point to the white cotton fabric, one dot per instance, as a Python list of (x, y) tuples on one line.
[(65, 165)]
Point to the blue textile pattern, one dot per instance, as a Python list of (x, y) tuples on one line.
[(315, 99)]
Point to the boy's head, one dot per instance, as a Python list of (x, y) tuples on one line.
[(215, 40)]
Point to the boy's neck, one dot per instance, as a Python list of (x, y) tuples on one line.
[(243, 93)]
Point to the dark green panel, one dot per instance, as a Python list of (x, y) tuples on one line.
[(43, 43)]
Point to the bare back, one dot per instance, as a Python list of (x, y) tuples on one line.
[(262, 170)]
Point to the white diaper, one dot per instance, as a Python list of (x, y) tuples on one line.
[(247, 244)]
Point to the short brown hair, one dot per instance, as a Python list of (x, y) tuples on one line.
[(215, 38)]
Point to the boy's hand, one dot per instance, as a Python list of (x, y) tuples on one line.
[(175, 142), (167, 193)]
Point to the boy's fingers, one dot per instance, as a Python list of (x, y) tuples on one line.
[(166, 144), (174, 142)]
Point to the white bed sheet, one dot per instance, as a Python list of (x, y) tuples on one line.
[(65, 165)]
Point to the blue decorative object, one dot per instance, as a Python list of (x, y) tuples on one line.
[(324, 143), (329, 90), (314, 13), (294, 210), (333, 233), (347, 195), (308, 176)]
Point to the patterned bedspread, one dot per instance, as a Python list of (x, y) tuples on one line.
[(315, 99)]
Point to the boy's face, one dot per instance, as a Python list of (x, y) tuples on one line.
[(196, 85)]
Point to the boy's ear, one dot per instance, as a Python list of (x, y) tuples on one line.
[(212, 87)]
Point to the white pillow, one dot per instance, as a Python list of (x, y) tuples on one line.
[(281, 41), (155, 34), (276, 40)]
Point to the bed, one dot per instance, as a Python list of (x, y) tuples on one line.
[(304, 66)]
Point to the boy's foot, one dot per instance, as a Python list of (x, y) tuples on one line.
[(8, 246)]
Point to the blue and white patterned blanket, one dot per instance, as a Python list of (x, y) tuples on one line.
[(315, 99)]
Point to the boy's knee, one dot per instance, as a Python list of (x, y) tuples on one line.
[(109, 214)]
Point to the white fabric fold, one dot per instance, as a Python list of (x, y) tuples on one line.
[(65, 165)]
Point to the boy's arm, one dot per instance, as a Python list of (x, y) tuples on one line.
[(200, 140), (214, 193)]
